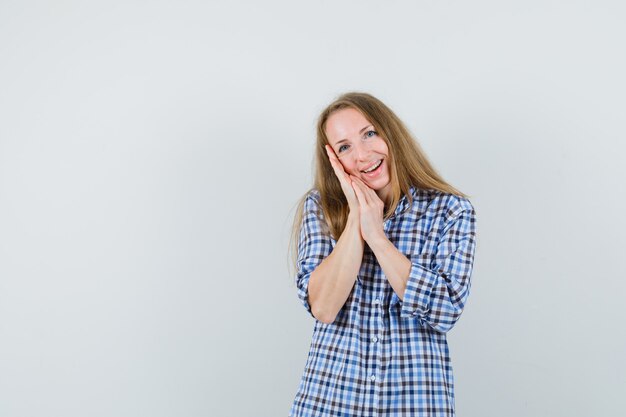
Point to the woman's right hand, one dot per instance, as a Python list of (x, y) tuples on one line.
[(344, 180)]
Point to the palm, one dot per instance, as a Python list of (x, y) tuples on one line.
[(344, 180)]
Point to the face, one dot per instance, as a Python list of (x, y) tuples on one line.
[(359, 148)]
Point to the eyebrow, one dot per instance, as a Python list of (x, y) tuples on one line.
[(360, 131)]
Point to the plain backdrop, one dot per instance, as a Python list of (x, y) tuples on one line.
[(152, 153)]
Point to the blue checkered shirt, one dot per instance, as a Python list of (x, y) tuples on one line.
[(383, 356)]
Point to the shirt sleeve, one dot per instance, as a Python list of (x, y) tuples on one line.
[(439, 284), (314, 245)]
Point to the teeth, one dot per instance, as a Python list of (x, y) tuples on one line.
[(374, 167)]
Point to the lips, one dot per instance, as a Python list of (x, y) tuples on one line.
[(372, 165)]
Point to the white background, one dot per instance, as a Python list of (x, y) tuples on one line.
[(152, 152)]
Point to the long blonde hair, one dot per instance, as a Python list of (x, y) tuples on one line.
[(408, 166)]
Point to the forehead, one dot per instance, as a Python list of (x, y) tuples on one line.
[(345, 124)]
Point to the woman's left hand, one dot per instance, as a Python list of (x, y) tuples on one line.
[(370, 210)]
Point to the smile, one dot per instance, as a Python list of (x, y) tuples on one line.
[(374, 171), (373, 167)]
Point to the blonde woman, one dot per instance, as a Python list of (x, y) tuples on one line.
[(385, 250)]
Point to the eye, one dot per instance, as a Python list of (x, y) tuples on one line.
[(367, 134), (341, 147)]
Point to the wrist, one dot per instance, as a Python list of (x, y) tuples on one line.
[(353, 225), (378, 242), (353, 219)]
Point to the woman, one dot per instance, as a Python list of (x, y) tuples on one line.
[(384, 259)]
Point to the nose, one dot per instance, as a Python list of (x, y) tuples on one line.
[(362, 153)]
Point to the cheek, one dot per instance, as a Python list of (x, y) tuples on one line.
[(382, 147), (349, 168)]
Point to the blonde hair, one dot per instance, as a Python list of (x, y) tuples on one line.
[(408, 166)]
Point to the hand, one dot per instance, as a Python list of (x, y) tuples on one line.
[(344, 180), (370, 210)]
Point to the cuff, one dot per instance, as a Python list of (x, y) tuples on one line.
[(303, 292), (419, 286)]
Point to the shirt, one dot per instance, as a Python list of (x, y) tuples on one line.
[(383, 356)]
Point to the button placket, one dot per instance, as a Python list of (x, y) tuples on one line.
[(377, 303)]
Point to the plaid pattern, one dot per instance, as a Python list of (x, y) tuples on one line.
[(383, 356)]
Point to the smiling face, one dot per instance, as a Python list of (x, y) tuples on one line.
[(359, 148)]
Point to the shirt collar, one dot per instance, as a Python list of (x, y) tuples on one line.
[(403, 202)]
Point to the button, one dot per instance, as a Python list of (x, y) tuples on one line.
[(376, 301), (374, 339), (373, 378)]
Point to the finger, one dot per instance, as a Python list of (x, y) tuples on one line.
[(366, 188), (371, 195), (363, 183), (333, 157), (363, 189), (359, 193), (336, 165), (328, 150), (331, 153), (370, 191)]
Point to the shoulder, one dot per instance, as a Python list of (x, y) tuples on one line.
[(312, 200), (313, 214), (447, 205), (313, 194), (312, 205)]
